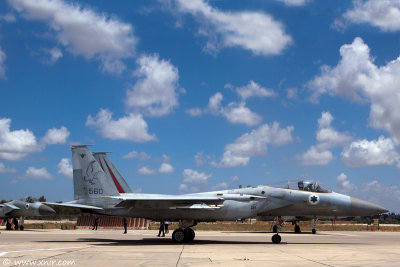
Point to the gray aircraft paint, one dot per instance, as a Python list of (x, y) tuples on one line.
[(94, 189), (17, 208)]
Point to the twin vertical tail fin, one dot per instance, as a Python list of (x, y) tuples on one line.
[(90, 181), (111, 172)]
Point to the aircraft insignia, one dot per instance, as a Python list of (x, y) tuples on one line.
[(313, 199)]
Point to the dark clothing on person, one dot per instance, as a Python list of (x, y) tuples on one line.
[(166, 224), (125, 224), (161, 229), (15, 222), (96, 223), (8, 225)]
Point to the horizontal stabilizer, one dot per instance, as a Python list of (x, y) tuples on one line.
[(73, 205)]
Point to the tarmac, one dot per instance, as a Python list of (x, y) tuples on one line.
[(144, 248)]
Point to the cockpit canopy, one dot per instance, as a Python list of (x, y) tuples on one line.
[(311, 187)]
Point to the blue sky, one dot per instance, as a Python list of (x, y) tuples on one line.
[(199, 95)]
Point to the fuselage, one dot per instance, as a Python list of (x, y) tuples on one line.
[(272, 202)]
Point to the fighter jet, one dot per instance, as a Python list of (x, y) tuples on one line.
[(21, 209), (95, 191)]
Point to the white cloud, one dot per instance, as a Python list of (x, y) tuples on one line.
[(327, 138), (384, 14), (255, 144), (156, 91), (343, 184), (220, 186), (254, 31), (2, 65), (15, 145), (234, 112), (238, 113), (200, 159), (166, 168), (291, 93), (65, 168), (234, 178), (110, 39), (132, 127), (363, 153), (194, 177), (56, 136), (4, 169), (163, 169), (194, 112), (184, 188), (357, 77), (54, 54), (316, 156), (146, 170), (139, 155), (294, 2), (38, 174), (253, 89), (8, 18)]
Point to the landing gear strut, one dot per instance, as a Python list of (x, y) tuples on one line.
[(184, 233), (276, 238), (314, 225)]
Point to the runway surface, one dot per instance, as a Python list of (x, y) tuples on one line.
[(144, 248)]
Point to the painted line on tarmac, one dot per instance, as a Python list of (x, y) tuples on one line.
[(39, 249)]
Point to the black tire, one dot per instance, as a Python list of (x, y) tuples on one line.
[(297, 229), (21, 228), (314, 231), (179, 236), (275, 229), (276, 239), (190, 234)]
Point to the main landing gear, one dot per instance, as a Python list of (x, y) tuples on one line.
[(184, 233), (276, 238)]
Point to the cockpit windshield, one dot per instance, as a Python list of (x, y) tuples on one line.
[(311, 187)]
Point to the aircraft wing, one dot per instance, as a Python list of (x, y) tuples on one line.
[(8, 208), (73, 205), (180, 201)]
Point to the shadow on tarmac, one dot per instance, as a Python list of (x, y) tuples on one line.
[(169, 242)]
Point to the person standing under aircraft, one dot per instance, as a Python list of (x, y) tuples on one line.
[(96, 223), (166, 223), (125, 225), (161, 229), (8, 224), (15, 222)]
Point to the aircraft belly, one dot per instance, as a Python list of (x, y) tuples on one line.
[(231, 210)]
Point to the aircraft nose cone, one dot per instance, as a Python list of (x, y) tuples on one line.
[(365, 208), (46, 210)]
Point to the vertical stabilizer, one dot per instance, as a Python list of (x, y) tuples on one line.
[(90, 182), (112, 173)]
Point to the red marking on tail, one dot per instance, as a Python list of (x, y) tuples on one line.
[(101, 165), (120, 190)]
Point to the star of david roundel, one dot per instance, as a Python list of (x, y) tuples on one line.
[(313, 199)]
